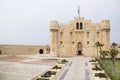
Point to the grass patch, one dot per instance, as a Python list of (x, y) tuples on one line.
[(108, 68)]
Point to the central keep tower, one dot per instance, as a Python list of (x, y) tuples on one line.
[(78, 37)]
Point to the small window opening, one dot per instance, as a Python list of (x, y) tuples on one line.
[(88, 34), (61, 33), (73, 42), (61, 42), (87, 42), (97, 34)]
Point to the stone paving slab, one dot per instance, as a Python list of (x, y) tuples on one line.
[(78, 70), (19, 71)]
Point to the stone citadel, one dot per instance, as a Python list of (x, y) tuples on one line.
[(77, 37)]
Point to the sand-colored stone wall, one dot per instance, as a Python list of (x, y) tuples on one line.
[(22, 49)]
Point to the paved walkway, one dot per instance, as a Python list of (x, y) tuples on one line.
[(77, 69)]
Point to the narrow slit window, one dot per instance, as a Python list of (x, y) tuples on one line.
[(88, 34), (77, 25), (97, 34), (87, 42), (81, 26), (61, 42)]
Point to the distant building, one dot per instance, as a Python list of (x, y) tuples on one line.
[(118, 47), (78, 37)]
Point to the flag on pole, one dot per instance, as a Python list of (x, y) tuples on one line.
[(79, 10)]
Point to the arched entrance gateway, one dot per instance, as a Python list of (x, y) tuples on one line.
[(79, 48), (41, 51)]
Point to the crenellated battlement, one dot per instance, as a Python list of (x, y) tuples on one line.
[(97, 24), (88, 21), (63, 24)]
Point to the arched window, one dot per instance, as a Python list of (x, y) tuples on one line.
[(77, 25), (81, 25)]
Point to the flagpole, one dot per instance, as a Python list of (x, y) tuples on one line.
[(79, 11)]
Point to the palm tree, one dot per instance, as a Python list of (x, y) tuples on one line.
[(103, 54), (101, 45), (113, 53), (98, 45)]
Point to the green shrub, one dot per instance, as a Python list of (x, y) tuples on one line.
[(101, 75), (92, 60), (97, 68), (63, 61), (49, 74), (53, 72), (42, 79), (56, 67), (95, 63)]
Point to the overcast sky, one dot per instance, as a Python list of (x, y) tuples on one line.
[(26, 22)]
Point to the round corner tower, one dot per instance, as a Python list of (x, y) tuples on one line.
[(105, 33), (53, 36)]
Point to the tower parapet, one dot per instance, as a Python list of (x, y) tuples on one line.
[(105, 24), (54, 25), (78, 18)]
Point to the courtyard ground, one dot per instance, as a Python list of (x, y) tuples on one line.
[(27, 67), (22, 67)]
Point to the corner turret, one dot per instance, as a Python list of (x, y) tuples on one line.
[(54, 25), (105, 24)]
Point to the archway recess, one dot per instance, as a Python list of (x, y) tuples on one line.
[(79, 48), (41, 51)]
